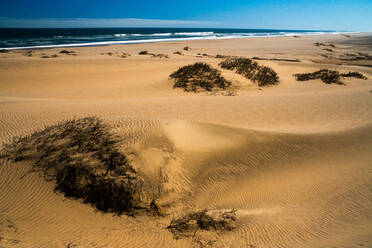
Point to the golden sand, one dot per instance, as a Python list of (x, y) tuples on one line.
[(294, 159)]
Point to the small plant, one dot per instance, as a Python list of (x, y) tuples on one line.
[(250, 69), (219, 56), (215, 220), (186, 48), (318, 44), (277, 59), (178, 52), (49, 56), (159, 55), (199, 76), (154, 55), (67, 52)]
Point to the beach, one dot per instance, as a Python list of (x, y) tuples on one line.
[(294, 159)]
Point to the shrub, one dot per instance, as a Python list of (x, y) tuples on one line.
[(154, 55), (67, 52), (199, 75), (4, 51), (159, 55), (327, 76), (186, 48), (48, 57), (204, 220), (250, 69), (219, 56), (83, 158), (178, 52), (354, 74)]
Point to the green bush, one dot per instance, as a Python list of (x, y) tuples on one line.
[(199, 76), (250, 69)]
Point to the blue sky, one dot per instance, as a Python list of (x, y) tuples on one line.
[(349, 15)]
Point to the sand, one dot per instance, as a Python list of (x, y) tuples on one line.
[(294, 159)]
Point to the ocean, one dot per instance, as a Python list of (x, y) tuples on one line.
[(21, 38)]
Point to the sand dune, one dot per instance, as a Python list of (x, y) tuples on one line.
[(294, 159)]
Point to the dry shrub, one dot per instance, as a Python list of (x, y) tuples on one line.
[(82, 156), (199, 76), (354, 74), (327, 76), (49, 56), (154, 55), (159, 55), (277, 59), (67, 52), (213, 220), (250, 69), (220, 56)]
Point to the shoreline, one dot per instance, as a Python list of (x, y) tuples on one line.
[(131, 42)]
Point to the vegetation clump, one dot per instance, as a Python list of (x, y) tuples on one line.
[(277, 59), (154, 55), (319, 44), (327, 76), (83, 158), (212, 220), (178, 52), (67, 52), (250, 69), (328, 50), (220, 56), (159, 55), (4, 51), (186, 48), (199, 76), (354, 74), (49, 56)]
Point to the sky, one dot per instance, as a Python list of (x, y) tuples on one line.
[(342, 15)]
